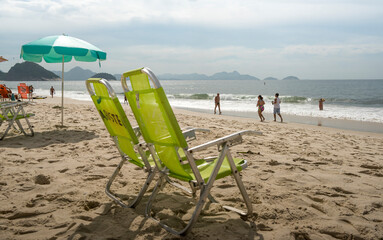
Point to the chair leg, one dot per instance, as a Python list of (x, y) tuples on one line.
[(159, 185), (20, 127), (212, 199), (10, 124), (242, 189), (31, 134), (205, 193), (177, 185), (135, 202)]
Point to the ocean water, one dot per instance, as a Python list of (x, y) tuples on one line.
[(360, 100)]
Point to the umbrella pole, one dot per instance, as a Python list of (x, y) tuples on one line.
[(62, 94)]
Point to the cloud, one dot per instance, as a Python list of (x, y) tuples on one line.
[(263, 37), (331, 50), (217, 13)]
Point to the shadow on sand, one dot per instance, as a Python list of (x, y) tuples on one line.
[(43, 139), (115, 222)]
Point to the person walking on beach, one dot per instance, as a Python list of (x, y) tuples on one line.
[(52, 91), (277, 107), (31, 88), (217, 101), (261, 107), (321, 103)]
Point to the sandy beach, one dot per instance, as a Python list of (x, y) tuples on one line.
[(304, 181)]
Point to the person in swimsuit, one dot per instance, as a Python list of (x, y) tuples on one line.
[(261, 107), (321, 103), (277, 107), (52, 91), (31, 88), (217, 101)]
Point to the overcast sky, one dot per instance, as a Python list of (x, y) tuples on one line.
[(310, 39)]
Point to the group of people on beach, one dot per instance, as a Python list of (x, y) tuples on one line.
[(260, 104), (277, 107)]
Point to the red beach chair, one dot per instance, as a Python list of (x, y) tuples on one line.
[(23, 90), (3, 91)]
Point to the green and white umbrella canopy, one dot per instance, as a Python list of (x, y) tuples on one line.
[(53, 48), (61, 48)]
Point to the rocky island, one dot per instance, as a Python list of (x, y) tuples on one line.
[(29, 71), (289, 78)]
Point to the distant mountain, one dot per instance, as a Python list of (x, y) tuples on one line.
[(29, 71), (2, 75), (232, 76), (270, 79), (217, 76), (291, 78), (76, 73), (192, 76), (106, 76)]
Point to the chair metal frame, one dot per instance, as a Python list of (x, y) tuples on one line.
[(147, 167), (13, 112), (223, 145), (151, 170)]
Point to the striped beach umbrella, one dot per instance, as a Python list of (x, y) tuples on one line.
[(61, 48)]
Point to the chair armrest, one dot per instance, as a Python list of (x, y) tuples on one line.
[(189, 134), (231, 140)]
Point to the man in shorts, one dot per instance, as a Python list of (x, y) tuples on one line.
[(217, 101), (277, 107)]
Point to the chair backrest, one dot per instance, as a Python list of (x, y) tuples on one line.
[(113, 116), (23, 90), (3, 91), (155, 117)]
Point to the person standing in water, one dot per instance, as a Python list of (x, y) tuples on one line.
[(52, 91), (321, 103), (261, 107), (217, 101), (277, 107)]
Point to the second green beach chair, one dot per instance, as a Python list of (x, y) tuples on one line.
[(124, 136), (161, 132)]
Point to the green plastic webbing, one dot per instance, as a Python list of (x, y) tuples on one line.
[(115, 120), (156, 119)]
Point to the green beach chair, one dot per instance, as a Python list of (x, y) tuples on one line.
[(164, 138), (13, 112), (124, 136)]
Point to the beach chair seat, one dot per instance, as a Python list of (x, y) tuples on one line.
[(164, 138), (13, 113)]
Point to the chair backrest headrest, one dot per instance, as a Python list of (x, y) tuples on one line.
[(113, 115), (155, 117)]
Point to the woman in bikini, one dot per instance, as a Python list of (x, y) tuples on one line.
[(260, 105)]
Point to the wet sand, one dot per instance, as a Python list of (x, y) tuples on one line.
[(344, 124)]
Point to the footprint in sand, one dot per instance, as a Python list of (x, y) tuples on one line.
[(300, 236), (341, 190), (374, 167), (224, 186), (351, 174), (42, 179)]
